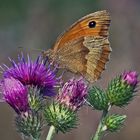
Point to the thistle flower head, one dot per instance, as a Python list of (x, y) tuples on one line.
[(130, 78), (73, 93), (34, 73), (15, 94)]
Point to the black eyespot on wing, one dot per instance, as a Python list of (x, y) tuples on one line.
[(92, 24)]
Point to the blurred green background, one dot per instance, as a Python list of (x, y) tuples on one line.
[(35, 24)]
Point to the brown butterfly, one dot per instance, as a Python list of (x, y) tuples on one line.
[(84, 47)]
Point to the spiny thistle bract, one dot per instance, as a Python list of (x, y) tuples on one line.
[(97, 99), (30, 124), (35, 99), (61, 117), (113, 123)]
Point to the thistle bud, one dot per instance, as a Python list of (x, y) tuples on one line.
[(113, 122), (120, 90), (98, 99)]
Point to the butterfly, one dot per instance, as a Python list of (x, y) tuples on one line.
[(84, 47)]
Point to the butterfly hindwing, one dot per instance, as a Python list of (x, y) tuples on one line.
[(97, 57)]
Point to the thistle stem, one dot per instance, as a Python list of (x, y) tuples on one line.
[(99, 130), (51, 133)]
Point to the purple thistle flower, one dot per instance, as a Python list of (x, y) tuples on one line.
[(130, 78), (73, 93), (34, 73), (15, 94)]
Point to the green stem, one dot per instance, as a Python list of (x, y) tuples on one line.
[(51, 133), (99, 131)]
